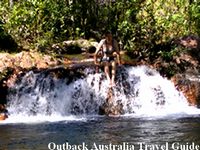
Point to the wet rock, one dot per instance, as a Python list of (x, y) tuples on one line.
[(4, 77), (189, 85), (3, 112), (111, 107)]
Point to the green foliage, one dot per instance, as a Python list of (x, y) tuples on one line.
[(157, 22), (168, 55), (37, 22), (140, 25), (194, 14)]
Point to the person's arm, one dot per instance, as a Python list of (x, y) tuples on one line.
[(117, 52), (98, 49)]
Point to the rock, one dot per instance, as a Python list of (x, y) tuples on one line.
[(75, 46), (190, 41), (189, 85), (26, 60), (3, 117), (4, 77), (187, 69), (111, 107), (95, 44), (185, 57), (192, 44), (3, 112), (91, 49), (42, 65), (72, 49)]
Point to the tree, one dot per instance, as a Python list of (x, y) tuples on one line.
[(139, 24)]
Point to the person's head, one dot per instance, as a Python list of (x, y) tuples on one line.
[(108, 36)]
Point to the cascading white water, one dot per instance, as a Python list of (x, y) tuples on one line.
[(140, 90), (155, 95)]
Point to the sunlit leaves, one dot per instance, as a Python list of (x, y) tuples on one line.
[(139, 24)]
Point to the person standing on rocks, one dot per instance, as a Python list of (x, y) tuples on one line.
[(109, 50)]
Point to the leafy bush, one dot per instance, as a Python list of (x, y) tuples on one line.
[(140, 25)]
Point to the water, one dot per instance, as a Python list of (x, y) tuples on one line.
[(101, 130), (46, 108), (140, 91)]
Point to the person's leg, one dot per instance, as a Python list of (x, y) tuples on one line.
[(107, 72), (113, 72)]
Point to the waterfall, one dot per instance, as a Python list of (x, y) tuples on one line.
[(139, 90)]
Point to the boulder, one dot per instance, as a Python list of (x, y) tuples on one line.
[(75, 46), (72, 49), (26, 60), (189, 85), (110, 107)]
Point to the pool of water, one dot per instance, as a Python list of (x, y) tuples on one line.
[(104, 133)]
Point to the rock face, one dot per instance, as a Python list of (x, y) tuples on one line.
[(187, 79), (189, 85)]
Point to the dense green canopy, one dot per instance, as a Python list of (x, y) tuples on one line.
[(138, 24)]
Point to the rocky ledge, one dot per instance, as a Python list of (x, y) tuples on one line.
[(186, 68)]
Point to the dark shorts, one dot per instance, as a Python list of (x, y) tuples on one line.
[(108, 59)]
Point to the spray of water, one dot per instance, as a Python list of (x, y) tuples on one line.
[(140, 90)]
